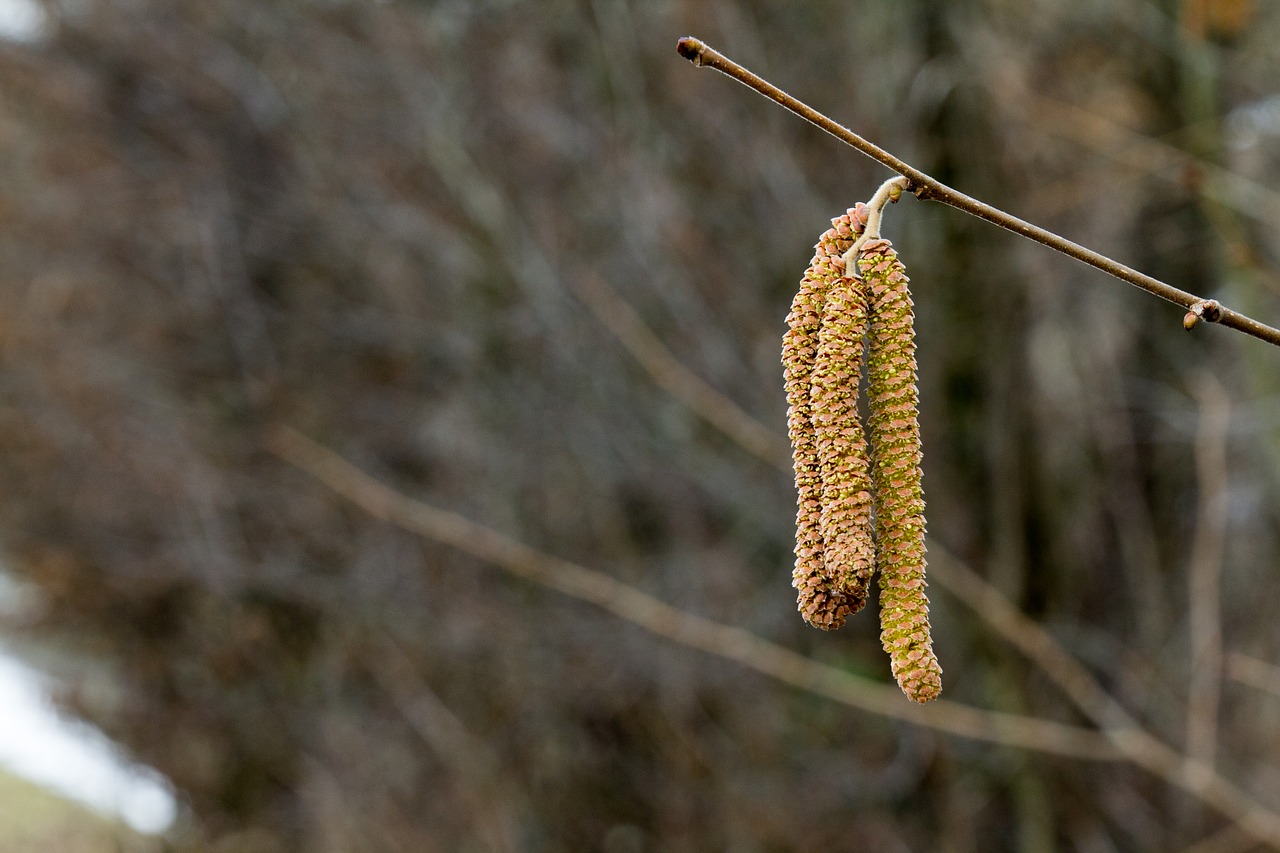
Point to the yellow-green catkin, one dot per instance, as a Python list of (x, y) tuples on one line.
[(895, 473), (845, 519), (821, 599)]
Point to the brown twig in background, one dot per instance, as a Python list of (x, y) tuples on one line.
[(1121, 737), (1206, 570), (673, 377), (1147, 155), (660, 618), (1229, 839), (926, 187), (1258, 674), (499, 808)]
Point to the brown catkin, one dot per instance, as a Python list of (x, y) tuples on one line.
[(821, 600), (896, 480), (845, 519)]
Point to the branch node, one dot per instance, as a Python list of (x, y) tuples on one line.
[(1210, 310), (691, 49)]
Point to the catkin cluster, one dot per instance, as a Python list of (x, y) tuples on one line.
[(860, 507)]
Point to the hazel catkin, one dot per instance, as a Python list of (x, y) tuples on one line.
[(893, 402), (845, 516), (821, 598)]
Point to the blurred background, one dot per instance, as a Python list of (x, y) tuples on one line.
[(470, 246)]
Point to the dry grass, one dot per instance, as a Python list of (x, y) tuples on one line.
[(34, 820)]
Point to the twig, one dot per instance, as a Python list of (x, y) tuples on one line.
[(475, 766), (673, 377), (1229, 839), (926, 187), (1150, 155), (1206, 569), (688, 629), (1121, 737), (1256, 673)]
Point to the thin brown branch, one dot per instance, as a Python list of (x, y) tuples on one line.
[(497, 808), (1152, 156), (1123, 737), (1206, 570), (660, 618), (1229, 839), (926, 187), (1256, 673), (673, 377)]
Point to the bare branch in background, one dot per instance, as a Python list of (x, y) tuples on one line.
[(1256, 673), (1120, 730), (1151, 156), (673, 377), (674, 624), (493, 798), (1229, 839)]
